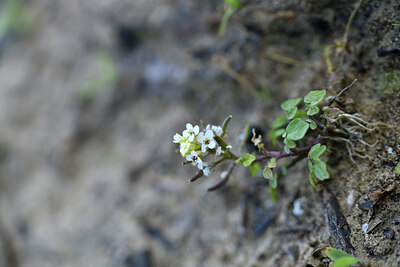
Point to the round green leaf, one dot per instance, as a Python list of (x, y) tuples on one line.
[(267, 173), (320, 170), (311, 111), (316, 151), (279, 122), (290, 103), (289, 143), (313, 125), (296, 129), (314, 97)]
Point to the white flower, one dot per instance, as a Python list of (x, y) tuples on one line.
[(206, 140), (206, 171), (191, 131), (217, 130), (228, 146), (184, 148), (194, 158), (178, 138), (219, 151)]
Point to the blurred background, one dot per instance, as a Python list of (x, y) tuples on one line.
[(91, 94)]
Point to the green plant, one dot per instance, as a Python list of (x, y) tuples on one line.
[(340, 258), (397, 169), (14, 16), (303, 132), (233, 5)]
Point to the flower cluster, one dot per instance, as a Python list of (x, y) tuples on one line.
[(196, 145)]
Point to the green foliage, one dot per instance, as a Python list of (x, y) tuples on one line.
[(14, 16), (290, 106), (397, 169), (246, 159), (316, 166), (234, 3), (340, 258), (254, 168), (312, 100), (296, 129), (233, 6), (277, 131)]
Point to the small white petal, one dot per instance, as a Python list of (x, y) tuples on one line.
[(212, 144), (200, 137), (196, 130), (186, 133), (177, 138), (206, 171), (228, 146), (203, 148), (209, 134), (218, 151), (189, 126)]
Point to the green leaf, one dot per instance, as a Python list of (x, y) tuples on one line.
[(312, 181), (225, 124), (274, 181), (289, 143), (275, 134), (234, 3), (316, 151), (279, 122), (313, 98), (320, 170), (310, 166), (291, 113), (271, 163), (313, 125), (267, 173), (272, 192), (340, 258), (345, 262), (254, 168), (311, 111), (286, 149), (397, 169), (296, 129), (246, 159), (290, 103)]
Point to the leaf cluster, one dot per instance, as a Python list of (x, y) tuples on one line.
[(316, 166)]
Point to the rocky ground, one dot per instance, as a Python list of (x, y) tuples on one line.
[(92, 92)]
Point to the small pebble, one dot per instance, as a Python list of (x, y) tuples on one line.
[(297, 210), (366, 206), (350, 198), (388, 232), (365, 227)]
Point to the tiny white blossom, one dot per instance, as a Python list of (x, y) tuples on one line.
[(191, 131), (217, 130), (228, 146), (206, 171), (177, 138), (184, 148), (206, 140), (219, 151), (194, 158)]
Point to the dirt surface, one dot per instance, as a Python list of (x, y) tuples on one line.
[(89, 175)]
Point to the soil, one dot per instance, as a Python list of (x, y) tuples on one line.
[(89, 175)]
